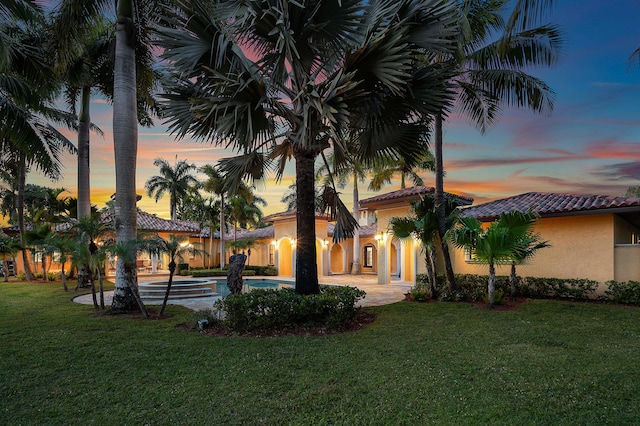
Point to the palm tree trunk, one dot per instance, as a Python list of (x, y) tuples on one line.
[(172, 270), (492, 283), (440, 204), (22, 178), (221, 231), (125, 142), (434, 278), (84, 186), (306, 267), (63, 276), (355, 268), (512, 279)]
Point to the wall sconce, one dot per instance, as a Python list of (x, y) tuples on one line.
[(273, 243), (293, 242), (325, 242), (377, 237)]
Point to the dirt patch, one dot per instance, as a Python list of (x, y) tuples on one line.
[(361, 320)]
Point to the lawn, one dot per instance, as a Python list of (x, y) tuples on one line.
[(548, 362)]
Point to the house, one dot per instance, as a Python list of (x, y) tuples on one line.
[(592, 236)]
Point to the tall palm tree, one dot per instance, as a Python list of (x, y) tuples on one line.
[(27, 94), (84, 63), (497, 54), (245, 213), (132, 77), (219, 184), (382, 173), (177, 181), (317, 69)]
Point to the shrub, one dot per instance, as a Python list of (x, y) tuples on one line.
[(333, 307), (557, 288), (22, 276), (625, 292), (498, 297), (262, 270), (52, 276), (217, 273), (420, 294)]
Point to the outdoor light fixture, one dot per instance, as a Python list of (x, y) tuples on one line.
[(273, 243), (377, 237)]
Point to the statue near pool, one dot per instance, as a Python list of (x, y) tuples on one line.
[(234, 276)]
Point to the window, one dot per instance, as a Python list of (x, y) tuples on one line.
[(272, 249), (470, 256), (368, 256)]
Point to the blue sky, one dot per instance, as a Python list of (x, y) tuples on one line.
[(590, 143)]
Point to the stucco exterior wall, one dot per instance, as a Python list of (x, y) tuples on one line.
[(581, 247)]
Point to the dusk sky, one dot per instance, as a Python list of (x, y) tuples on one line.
[(589, 144)]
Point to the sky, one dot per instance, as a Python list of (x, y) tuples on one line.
[(589, 144)]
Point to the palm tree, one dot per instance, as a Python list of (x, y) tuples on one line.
[(503, 241), (175, 249), (384, 172), (423, 224), (27, 94), (63, 245), (204, 211), (9, 247), (245, 213), (220, 185), (317, 69), (84, 64), (529, 244), (133, 78), (177, 181), (491, 73), (289, 198), (349, 169)]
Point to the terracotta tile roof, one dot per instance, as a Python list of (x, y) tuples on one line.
[(551, 204), (289, 214), (365, 231), (149, 222), (259, 234), (408, 194)]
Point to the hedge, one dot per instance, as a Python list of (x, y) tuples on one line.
[(474, 287)]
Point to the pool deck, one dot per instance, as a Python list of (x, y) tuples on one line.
[(376, 294)]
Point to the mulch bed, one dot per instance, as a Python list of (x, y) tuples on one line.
[(506, 305)]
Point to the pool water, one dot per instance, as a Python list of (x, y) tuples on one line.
[(251, 284)]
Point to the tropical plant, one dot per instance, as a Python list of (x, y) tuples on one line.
[(133, 79), (316, 70), (245, 213), (84, 64), (175, 249), (88, 231), (177, 181), (62, 244), (220, 185), (502, 241), (529, 244), (383, 173), (289, 198), (27, 94), (9, 247), (204, 211), (423, 225), (497, 54)]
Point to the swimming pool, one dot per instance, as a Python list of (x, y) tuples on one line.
[(250, 284)]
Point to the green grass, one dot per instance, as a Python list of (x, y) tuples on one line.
[(549, 362)]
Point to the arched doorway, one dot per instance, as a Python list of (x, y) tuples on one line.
[(337, 259), (285, 258), (394, 255)]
